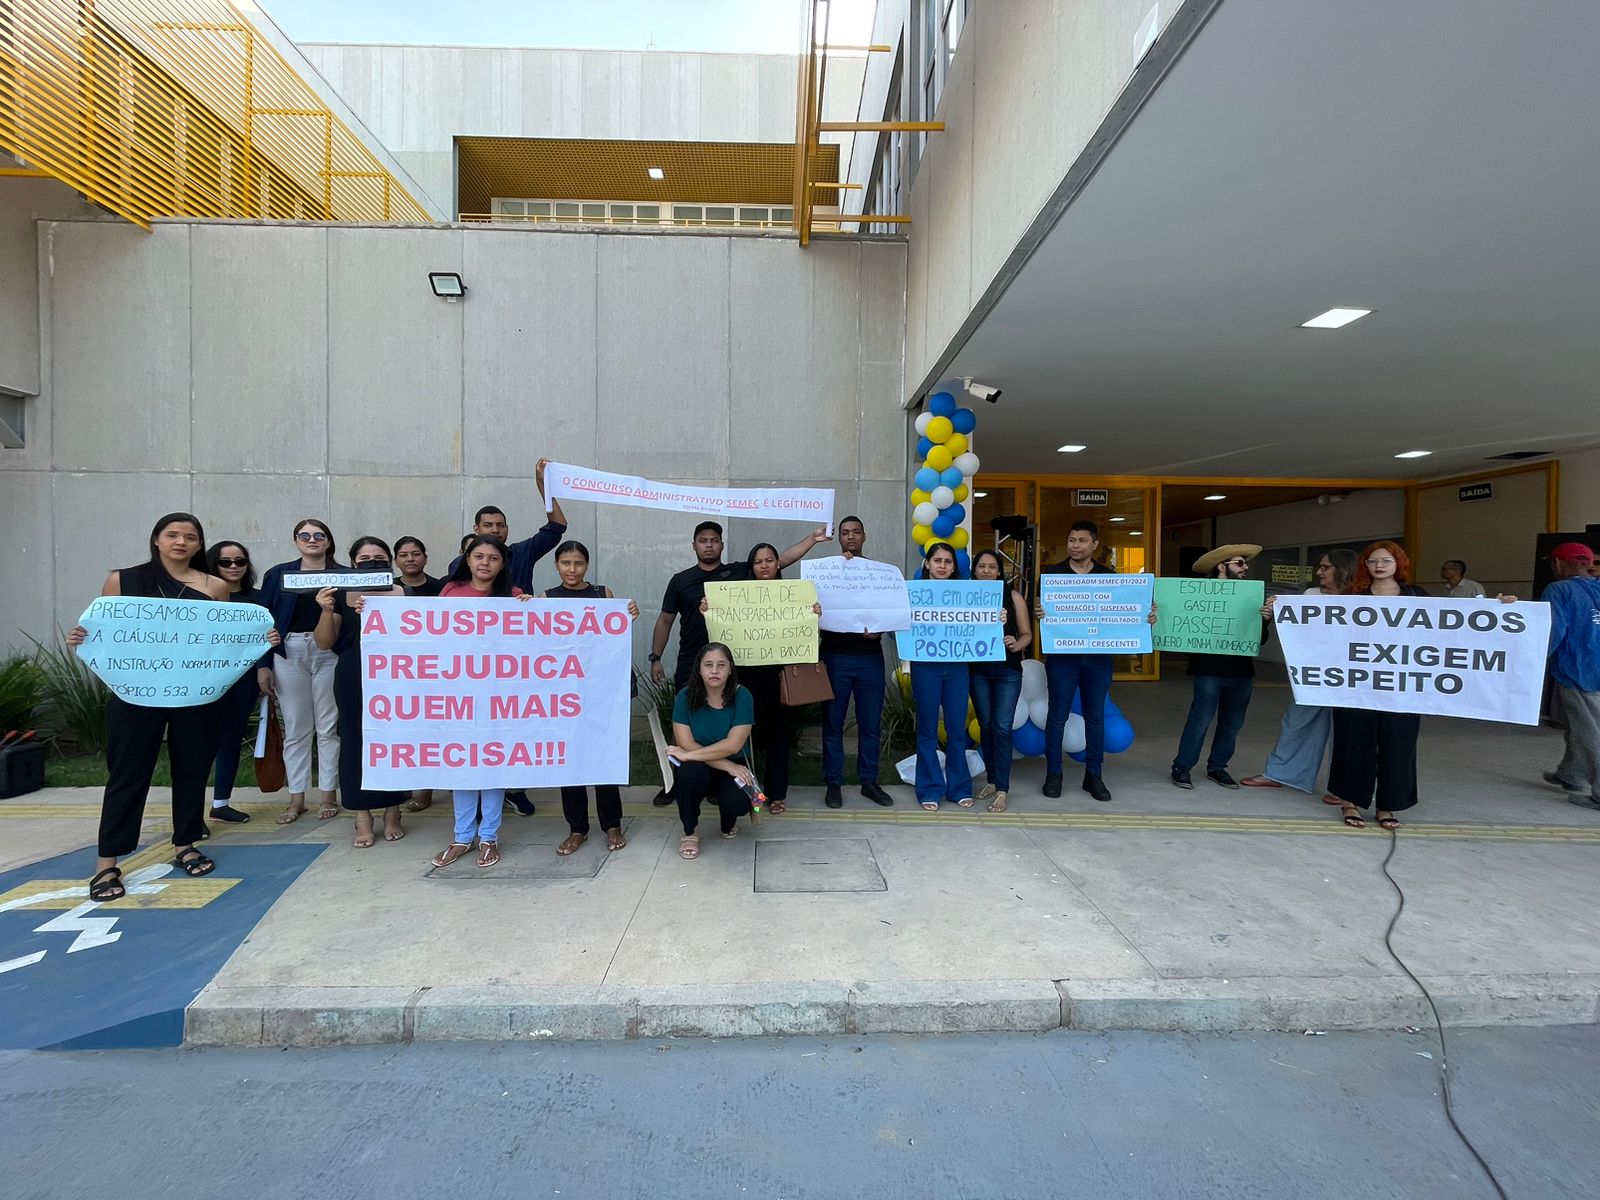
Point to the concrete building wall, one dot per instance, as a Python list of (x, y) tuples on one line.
[(418, 99), (1580, 489), (256, 374)]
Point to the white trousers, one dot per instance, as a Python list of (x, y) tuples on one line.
[(305, 699)]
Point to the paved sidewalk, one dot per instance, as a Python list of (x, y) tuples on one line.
[(1203, 910)]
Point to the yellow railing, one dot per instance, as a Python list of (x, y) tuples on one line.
[(686, 222), (179, 108)]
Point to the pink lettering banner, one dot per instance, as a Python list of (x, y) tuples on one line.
[(466, 693), (565, 482)]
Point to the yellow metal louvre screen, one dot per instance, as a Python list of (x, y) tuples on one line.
[(179, 108), (597, 169)]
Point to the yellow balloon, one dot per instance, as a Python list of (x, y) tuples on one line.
[(958, 538), (960, 491), (956, 443), (943, 736), (938, 430), (972, 711), (939, 458), (918, 496), (903, 678), (921, 533), (974, 733)]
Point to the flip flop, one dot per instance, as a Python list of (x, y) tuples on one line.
[(364, 836), (327, 812), (689, 846), (930, 806), (615, 840), (395, 834), (570, 846), (450, 853), (290, 815)]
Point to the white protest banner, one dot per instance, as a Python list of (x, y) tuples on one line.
[(1414, 654), (859, 595), (954, 620), (350, 581), (468, 693), (565, 482), (160, 653)]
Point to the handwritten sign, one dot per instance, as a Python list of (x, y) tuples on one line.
[(467, 693), (350, 581), (171, 653), (562, 481), (859, 595), (954, 620), (1209, 616), (1457, 658), (1095, 614), (764, 622)]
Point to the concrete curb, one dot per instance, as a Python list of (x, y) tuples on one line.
[(317, 1016)]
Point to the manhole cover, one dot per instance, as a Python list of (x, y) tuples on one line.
[(817, 865)]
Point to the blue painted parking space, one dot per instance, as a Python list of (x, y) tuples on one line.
[(75, 975)]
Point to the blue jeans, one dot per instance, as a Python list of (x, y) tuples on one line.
[(995, 688), (860, 675), (468, 822), (1302, 740), (937, 687), (1220, 697), (1088, 675)]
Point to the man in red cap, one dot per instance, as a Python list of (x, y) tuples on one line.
[(1574, 600)]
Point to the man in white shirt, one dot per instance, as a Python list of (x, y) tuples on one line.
[(1457, 585)]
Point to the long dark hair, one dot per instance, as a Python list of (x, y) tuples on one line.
[(197, 561), (928, 553), (992, 553), (463, 572), (1344, 564), (568, 547), (750, 559), (333, 554), (248, 582), (698, 697), (400, 543)]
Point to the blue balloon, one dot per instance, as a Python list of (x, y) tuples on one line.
[(1027, 741), (957, 511), (964, 419), (1074, 755), (943, 526), (1119, 734), (963, 562), (923, 446), (926, 478), (952, 477), (942, 404)]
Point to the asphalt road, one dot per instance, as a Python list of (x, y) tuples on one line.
[(1343, 1116)]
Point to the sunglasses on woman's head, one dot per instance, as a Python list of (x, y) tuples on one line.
[(233, 562), (312, 535)]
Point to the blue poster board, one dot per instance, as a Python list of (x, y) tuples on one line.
[(954, 620), (160, 653), (1095, 614)]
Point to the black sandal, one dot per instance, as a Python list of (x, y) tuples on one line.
[(107, 885), (194, 864)]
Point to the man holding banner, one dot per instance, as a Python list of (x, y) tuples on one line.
[(1217, 622)]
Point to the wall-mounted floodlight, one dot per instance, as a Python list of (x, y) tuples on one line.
[(447, 285)]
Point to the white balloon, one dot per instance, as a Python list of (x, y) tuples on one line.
[(1033, 681), (922, 422), (924, 513), (1021, 718), (943, 497), (1039, 710), (967, 463), (1073, 737)]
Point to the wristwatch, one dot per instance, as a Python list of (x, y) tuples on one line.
[(655, 658)]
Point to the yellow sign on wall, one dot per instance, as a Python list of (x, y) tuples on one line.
[(766, 623)]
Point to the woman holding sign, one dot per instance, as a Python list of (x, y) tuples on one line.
[(230, 562), (483, 573), (339, 629), (710, 750), (572, 564), (996, 686), (177, 570), (300, 676), (937, 686)]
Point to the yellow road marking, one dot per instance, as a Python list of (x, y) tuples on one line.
[(179, 893)]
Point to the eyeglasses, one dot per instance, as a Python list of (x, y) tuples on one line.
[(1324, 566), (1238, 562), (233, 562), (371, 562), (1380, 562), (312, 535)]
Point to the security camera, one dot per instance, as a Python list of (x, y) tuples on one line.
[(983, 391)]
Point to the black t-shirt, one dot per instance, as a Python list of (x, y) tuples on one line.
[(429, 588), (685, 590), (307, 612)]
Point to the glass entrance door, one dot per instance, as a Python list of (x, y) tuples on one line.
[(1126, 519)]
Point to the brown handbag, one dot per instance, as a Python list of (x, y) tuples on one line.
[(804, 683), (270, 772)]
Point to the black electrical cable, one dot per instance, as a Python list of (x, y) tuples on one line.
[(1444, 1062)]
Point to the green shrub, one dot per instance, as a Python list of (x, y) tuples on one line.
[(74, 698), (22, 692)]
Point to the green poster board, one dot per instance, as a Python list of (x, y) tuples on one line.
[(1208, 616)]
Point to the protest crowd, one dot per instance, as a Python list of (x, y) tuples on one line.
[(392, 683)]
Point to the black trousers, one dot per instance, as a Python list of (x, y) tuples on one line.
[(607, 806), (233, 715), (771, 731), (1374, 753), (694, 782), (133, 742)]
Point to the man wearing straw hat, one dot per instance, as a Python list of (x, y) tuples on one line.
[(1222, 683)]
